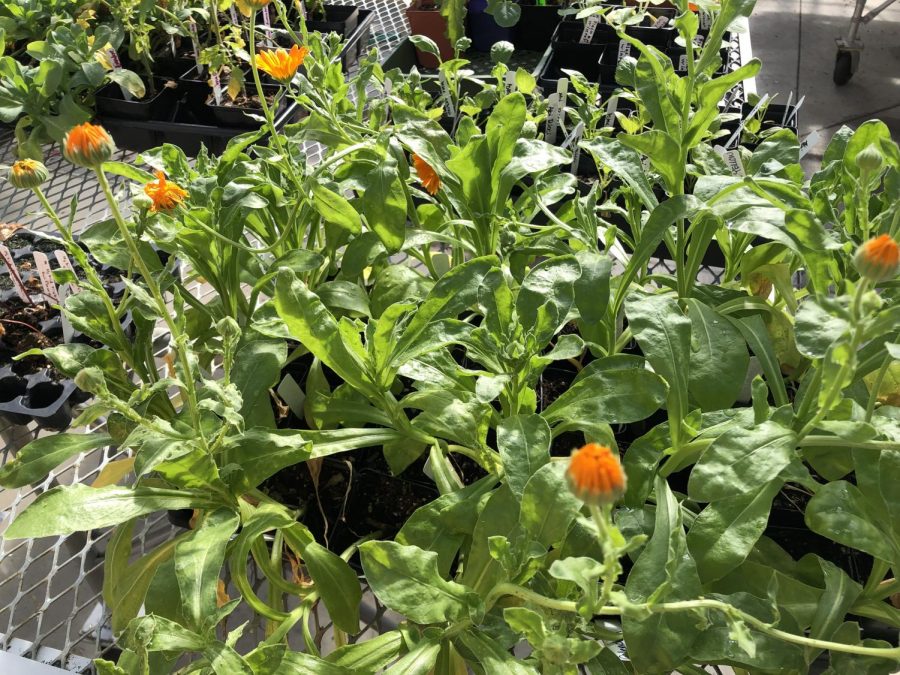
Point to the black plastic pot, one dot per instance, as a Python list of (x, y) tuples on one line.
[(112, 102), (481, 27), (536, 26), (340, 19), (238, 117), (35, 396), (583, 58)]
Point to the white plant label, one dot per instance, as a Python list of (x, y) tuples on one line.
[(172, 47), (705, 19), (292, 394), (68, 332), (573, 139), (661, 22), (51, 294), (63, 259), (267, 22), (447, 96), (732, 159), (557, 103), (808, 143), (195, 42), (590, 27), (509, 82), (234, 16), (624, 50), (14, 275), (611, 106), (113, 56), (301, 7), (682, 63), (388, 87), (216, 87), (699, 40)]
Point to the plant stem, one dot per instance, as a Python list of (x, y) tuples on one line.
[(94, 279), (179, 339), (876, 386)]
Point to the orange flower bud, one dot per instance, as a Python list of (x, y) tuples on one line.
[(878, 259), (427, 175), (165, 195), (281, 63), (88, 145), (28, 173), (595, 475)]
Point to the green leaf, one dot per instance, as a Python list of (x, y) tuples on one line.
[(838, 511), (370, 655), (625, 163), (419, 660), (817, 329), (493, 658), (664, 334), (592, 287), (335, 209), (406, 579), (725, 531), (582, 571), (548, 506), (664, 572), (129, 81), (337, 585), (615, 396), (663, 152), (310, 322), (546, 295), (33, 462), (384, 203), (257, 367), (498, 518), (741, 461), (76, 508), (719, 359), (524, 445), (840, 594), (198, 563)]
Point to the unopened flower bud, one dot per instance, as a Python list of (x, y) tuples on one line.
[(90, 380), (869, 159), (229, 329), (27, 174), (878, 259), (88, 145), (595, 475)]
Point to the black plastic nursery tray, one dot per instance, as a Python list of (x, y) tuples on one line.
[(31, 389), (404, 58), (183, 127)]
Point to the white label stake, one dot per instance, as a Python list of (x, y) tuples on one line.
[(195, 42), (809, 142), (611, 106), (66, 264), (557, 108), (624, 50), (14, 275), (46, 276), (216, 87), (573, 140), (590, 27), (267, 22), (447, 96), (68, 332), (732, 159), (509, 82)]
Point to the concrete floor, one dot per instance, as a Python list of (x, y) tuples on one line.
[(795, 41)]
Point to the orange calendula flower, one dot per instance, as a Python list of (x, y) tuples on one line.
[(165, 195), (878, 259), (427, 176), (281, 63), (28, 173), (88, 145), (595, 475), (693, 7)]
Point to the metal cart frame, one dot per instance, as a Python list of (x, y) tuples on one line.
[(846, 62)]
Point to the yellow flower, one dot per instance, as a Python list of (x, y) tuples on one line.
[(595, 475), (281, 63), (427, 176), (88, 145), (878, 258), (165, 195), (27, 174), (247, 7)]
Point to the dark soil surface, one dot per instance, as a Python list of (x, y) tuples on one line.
[(251, 102), (20, 331)]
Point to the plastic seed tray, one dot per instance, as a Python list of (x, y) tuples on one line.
[(51, 610)]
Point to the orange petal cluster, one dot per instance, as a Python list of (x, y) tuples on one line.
[(595, 475), (878, 259), (281, 64), (165, 195), (427, 175), (88, 145)]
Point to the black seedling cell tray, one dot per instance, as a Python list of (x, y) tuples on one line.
[(35, 396)]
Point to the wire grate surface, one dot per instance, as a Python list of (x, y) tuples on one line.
[(51, 608)]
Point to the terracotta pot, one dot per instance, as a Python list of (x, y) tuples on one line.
[(425, 18)]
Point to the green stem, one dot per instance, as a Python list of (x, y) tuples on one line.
[(179, 339), (95, 281), (876, 386)]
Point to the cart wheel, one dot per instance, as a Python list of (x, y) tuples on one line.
[(843, 67)]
